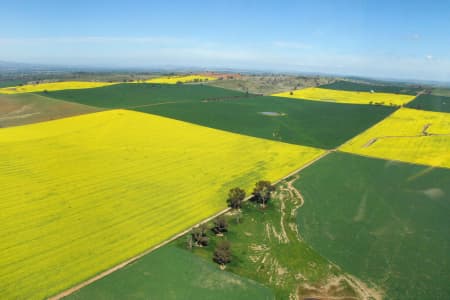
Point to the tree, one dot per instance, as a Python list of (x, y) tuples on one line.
[(235, 197), (199, 235), (220, 225), (222, 253), (189, 242), (238, 217), (262, 192)]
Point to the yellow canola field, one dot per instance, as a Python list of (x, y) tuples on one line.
[(82, 194), (53, 86), (183, 79), (327, 95), (407, 135)]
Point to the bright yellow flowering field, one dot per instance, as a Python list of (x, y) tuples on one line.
[(184, 79), (53, 86), (408, 135), (338, 96), (82, 194)]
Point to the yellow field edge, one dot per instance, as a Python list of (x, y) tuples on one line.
[(349, 97), (75, 85), (53, 86), (407, 135)]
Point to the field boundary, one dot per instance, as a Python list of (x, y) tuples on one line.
[(131, 260), (364, 131)]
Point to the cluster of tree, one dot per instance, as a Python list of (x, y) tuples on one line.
[(199, 236), (220, 225), (262, 192), (222, 253), (235, 198), (200, 80)]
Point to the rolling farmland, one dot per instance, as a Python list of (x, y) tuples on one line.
[(340, 96), (408, 135), (84, 193), (240, 150), (53, 86), (385, 222), (317, 124)]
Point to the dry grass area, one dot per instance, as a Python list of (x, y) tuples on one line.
[(268, 84), (21, 109)]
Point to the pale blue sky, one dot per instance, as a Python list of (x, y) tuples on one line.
[(395, 39)]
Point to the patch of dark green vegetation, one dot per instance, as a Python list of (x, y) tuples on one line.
[(385, 222), (172, 273), (130, 95), (363, 87), (310, 123), (9, 83), (431, 102)]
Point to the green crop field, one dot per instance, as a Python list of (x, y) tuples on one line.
[(136, 94), (385, 222), (172, 273), (431, 102), (323, 125), (7, 83), (362, 87), (441, 92)]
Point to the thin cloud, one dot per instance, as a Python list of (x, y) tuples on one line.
[(291, 45), (93, 39), (415, 37)]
